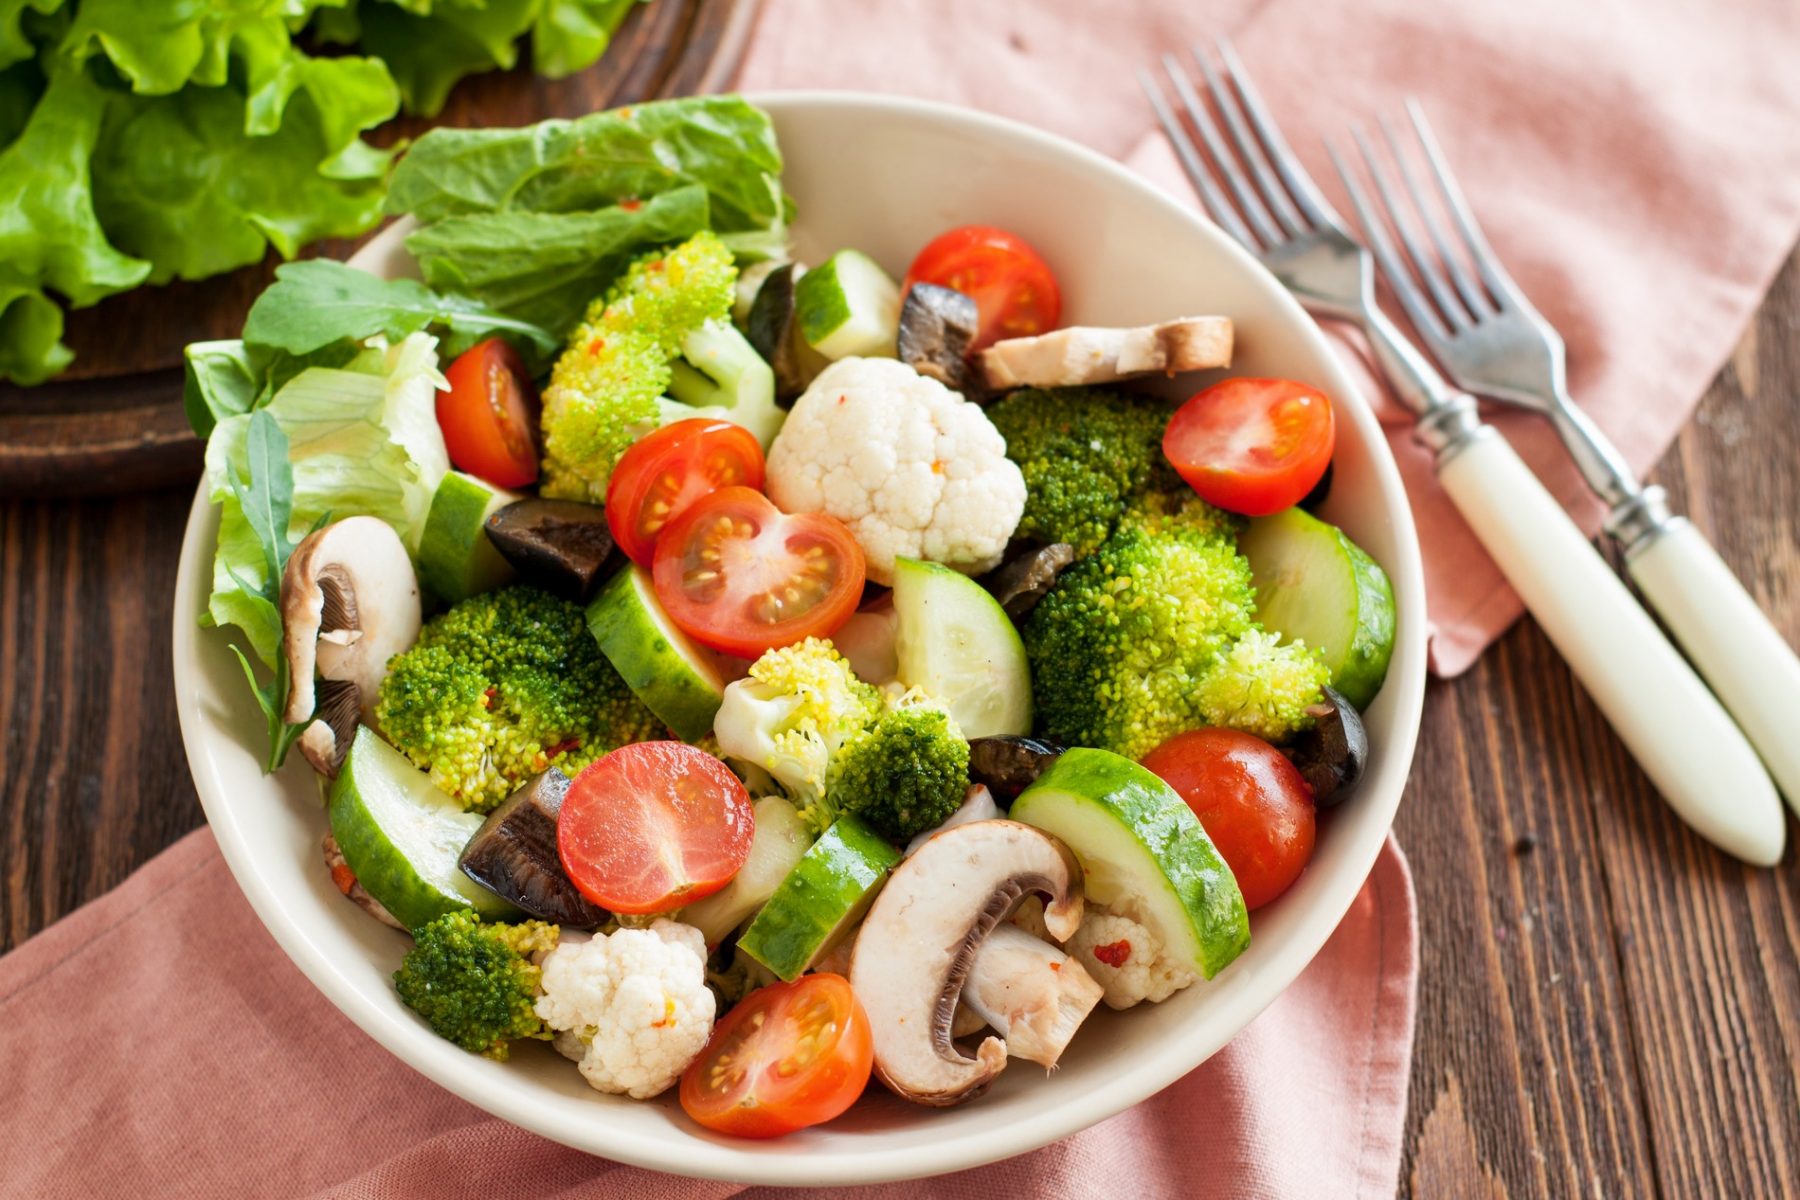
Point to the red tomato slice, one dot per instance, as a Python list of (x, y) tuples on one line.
[(741, 576), (788, 1056), (1253, 446), (1012, 286), (654, 826), (661, 476), (1251, 801), (489, 415)]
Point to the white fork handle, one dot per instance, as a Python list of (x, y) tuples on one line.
[(1674, 727), (1723, 630)]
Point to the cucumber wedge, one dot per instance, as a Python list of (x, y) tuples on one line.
[(402, 836), (1313, 584), (848, 306), (677, 678), (954, 641), (782, 837), (1142, 852), (456, 559), (821, 899)]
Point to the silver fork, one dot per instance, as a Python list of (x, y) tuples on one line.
[(1494, 343), (1680, 735)]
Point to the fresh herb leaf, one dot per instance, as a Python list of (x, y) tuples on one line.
[(316, 303), (547, 267)]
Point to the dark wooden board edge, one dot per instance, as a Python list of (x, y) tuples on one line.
[(112, 434)]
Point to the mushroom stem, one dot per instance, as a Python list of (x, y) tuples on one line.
[(1030, 993)]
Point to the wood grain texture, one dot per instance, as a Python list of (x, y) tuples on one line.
[(114, 424), (1608, 1007)]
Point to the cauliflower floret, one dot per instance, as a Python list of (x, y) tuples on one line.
[(632, 1007), (1126, 959), (911, 467)]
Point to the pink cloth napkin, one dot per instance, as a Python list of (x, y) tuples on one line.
[(1636, 164), (157, 1042)]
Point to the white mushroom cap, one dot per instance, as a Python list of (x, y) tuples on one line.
[(349, 603), (915, 949)]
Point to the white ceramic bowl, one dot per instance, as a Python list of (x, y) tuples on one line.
[(883, 175)]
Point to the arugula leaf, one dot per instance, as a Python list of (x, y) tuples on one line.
[(721, 143), (178, 183), (314, 303), (546, 267), (263, 486)]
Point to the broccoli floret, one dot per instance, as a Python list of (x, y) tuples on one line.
[(798, 706), (1155, 633), (905, 773), (1086, 453), (475, 983), (607, 389), (502, 686)]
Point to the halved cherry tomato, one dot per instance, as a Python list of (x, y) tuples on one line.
[(654, 826), (737, 574), (787, 1056), (1252, 446), (661, 476), (489, 415), (1012, 286), (1251, 801)]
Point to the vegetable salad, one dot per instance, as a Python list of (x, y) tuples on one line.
[(755, 677)]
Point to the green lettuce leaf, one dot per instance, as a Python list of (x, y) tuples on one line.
[(362, 439), (546, 267), (315, 303), (721, 143), (15, 41), (50, 237), (571, 35), (225, 378), (177, 182), (431, 47)]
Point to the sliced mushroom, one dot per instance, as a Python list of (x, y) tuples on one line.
[(1027, 576), (978, 805), (514, 855), (936, 326), (1083, 354), (1007, 765), (562, 546), (1332, 754), (1030, 993), (915, 949), (349, 602), (347, 883)]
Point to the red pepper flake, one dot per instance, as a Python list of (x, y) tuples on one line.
[(487, 697), (631, 204), (560, 747), (595, 347), (343, 876), (1114, 954), (843, 399)]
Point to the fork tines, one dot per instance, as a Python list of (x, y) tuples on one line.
[(1452, 299), (1271, 198)]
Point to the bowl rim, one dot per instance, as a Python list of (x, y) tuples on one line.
[(700, 1157)]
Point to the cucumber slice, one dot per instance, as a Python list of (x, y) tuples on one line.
[(848, 306), (402, 836), (1313, 584), (1143, 853), (677, 678), (954, 641), (782, 837), (821, 899), (456, 560)]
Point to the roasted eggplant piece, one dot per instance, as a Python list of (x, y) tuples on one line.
[(773, 333), (562, 546), (1007, 765), (1027, 576), (937, 324), (514, 855), (1332, 754)]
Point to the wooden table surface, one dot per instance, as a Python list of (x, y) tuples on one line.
[(1607, 1007)]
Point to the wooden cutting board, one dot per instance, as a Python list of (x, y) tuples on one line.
[(114, 422)]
